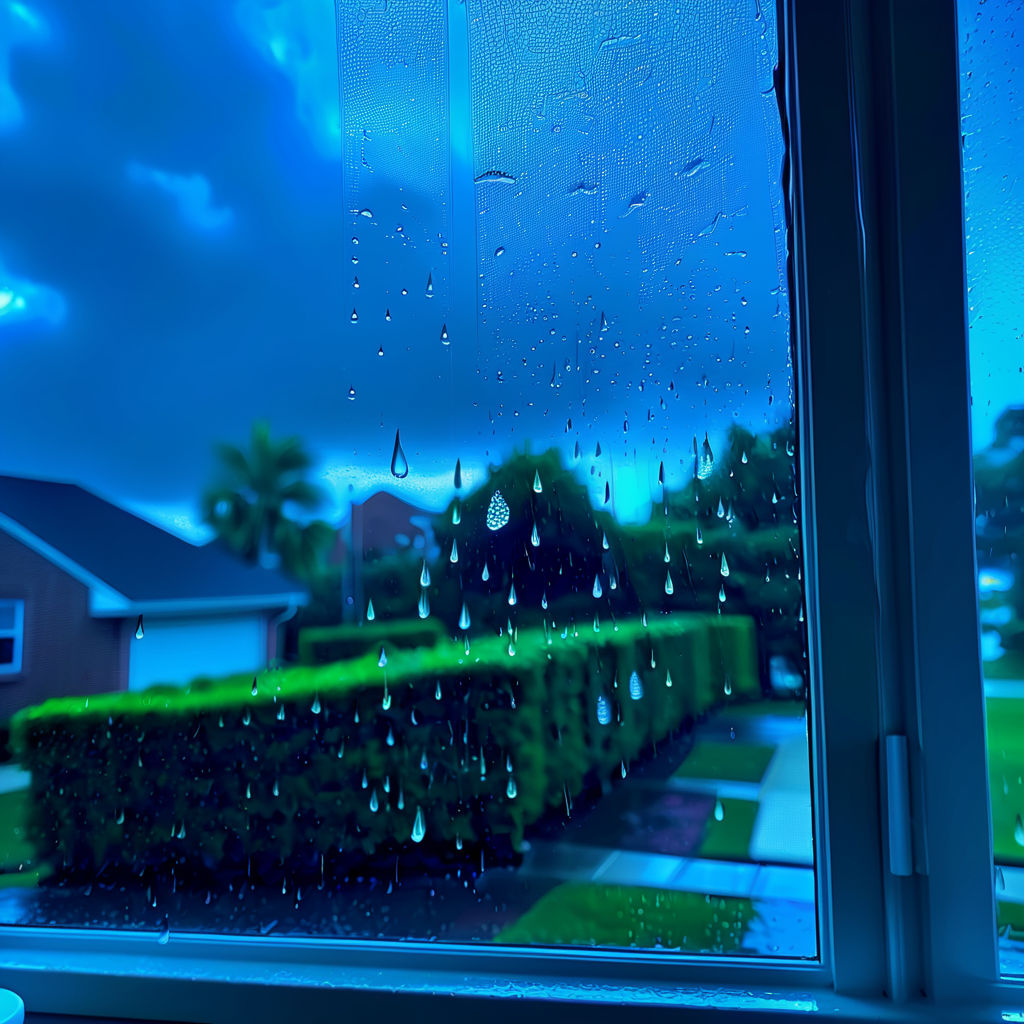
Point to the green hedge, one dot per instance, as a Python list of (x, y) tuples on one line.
[(322, 645), (216, 780)]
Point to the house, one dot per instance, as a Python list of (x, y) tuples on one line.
[(76, 574), (381, 525)]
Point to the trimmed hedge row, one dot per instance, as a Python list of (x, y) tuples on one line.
[(322, 645), (328, 766)]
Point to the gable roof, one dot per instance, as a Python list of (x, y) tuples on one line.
[(130, 564)]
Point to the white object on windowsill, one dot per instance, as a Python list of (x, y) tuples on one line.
[(12, 1009)]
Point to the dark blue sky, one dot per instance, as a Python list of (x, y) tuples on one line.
[(181, 200)]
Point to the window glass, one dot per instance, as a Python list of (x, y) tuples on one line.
[(411, 513), (992, 110)]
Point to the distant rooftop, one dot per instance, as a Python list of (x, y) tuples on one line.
[(132, 556)]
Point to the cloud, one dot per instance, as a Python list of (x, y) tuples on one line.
[(299, 39), (19, 25), (25, 301), (192, 193)]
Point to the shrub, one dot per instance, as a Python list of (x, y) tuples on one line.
[(334, 764), (322, 645)]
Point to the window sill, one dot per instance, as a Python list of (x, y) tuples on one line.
[(214, 979)]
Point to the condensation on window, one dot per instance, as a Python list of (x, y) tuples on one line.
[(992, 120)]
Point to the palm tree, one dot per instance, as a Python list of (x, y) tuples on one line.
[(248, 504)]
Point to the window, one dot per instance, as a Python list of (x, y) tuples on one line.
[(492, 524), (12, 615), (993, 118)]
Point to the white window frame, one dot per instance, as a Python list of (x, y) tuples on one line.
[(13, 667), (877, 297)]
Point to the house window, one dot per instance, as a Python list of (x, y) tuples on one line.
[(12, 615)]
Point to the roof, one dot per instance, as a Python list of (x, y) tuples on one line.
[(131, 564)]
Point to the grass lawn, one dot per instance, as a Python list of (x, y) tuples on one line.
[(729, 839), (591, 914), (734, 762), (16, 853)]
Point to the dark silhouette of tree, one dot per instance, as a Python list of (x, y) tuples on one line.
[(252, 502)]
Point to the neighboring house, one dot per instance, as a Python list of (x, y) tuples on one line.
[(76, 572), (381, 525)]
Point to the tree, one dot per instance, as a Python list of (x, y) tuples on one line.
[(252, 501)]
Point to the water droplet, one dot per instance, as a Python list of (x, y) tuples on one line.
[(596, 590), (604, 540), (512, 593), (380, 350), (497, 512), (500, 251), (390, 740), (458, 474), (604, 322), (668, 583), (700, 537), (351, 394), (643, 618), (706, 462), (165, 934), (444, 334), (419, 827), (485, 573), (727, 688), (277, 788), (668, 557), (607, 493), (720, 512), (464, 617), (544, 600), (510, 789), (280, 713), (535, 537), (383, 659), (430, 286), (458, 841), (668, 678), (744, 459), (725, 565), (399, 463), (454, 556), (537, 488), (366, 213), (661, 473), (636, 687), (374, 804), (255, 687), (139, 631), (315, 706), (719, 810), (387, 316), (437, 694), (604, 710), (354, 318), (721, 594), (623, 769), (424, 606), (1018, 832), (424, 575)]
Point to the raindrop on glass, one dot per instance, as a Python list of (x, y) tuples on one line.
[(497, 512), (636, 687), (424, 575), (597, 591), (604, 710), (419, 827), (725, 565), (669, 588), (464, 617), (139, 631), (537, 487), (370, 613), (399, 463)]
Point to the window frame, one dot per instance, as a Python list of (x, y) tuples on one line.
[(877, 301), (17, 633)]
